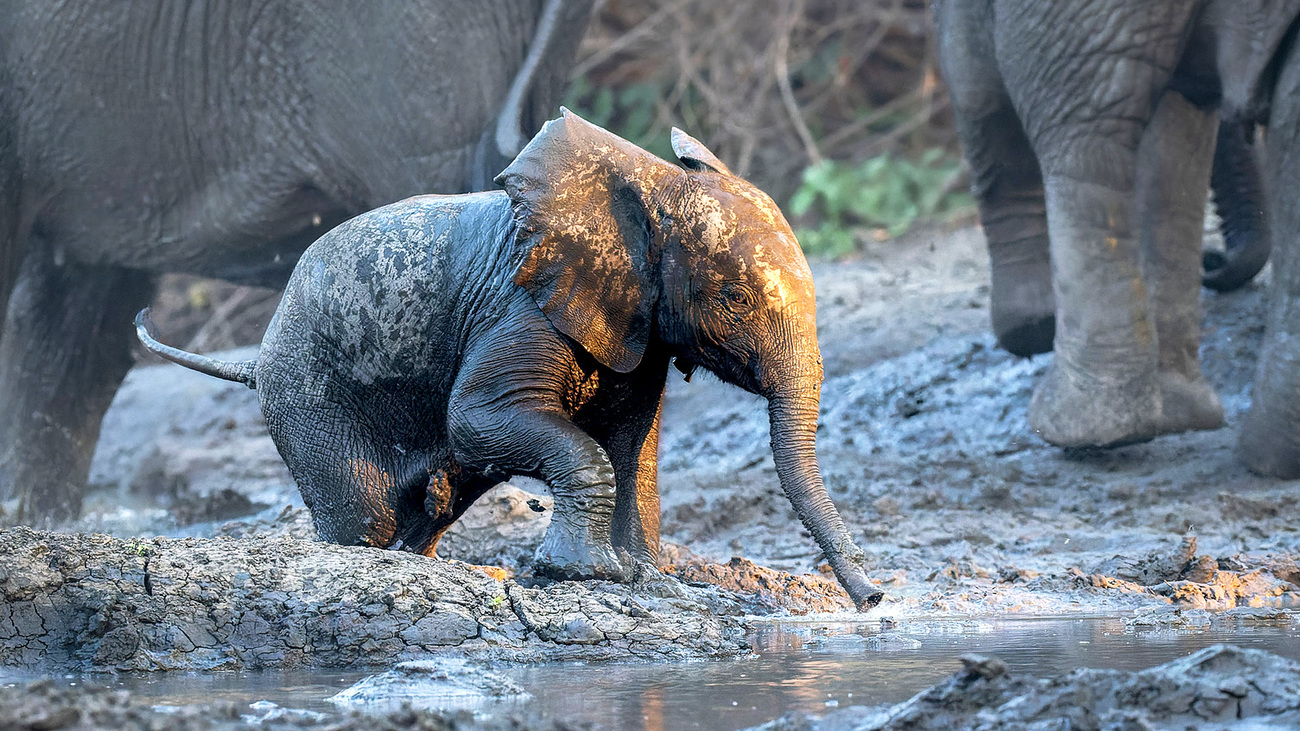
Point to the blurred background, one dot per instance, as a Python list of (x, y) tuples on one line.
[(834, 107)]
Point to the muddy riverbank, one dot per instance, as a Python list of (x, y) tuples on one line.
[(924, 445), (1218, 687)]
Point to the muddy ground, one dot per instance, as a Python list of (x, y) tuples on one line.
[(924, 445)]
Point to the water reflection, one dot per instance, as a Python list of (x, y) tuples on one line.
[(794, 667), (801, 667)]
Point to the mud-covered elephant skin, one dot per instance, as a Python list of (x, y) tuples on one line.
[(426, 350), (1091, 129), (220, 139)]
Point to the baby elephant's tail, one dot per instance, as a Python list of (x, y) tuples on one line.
[(241, 371)]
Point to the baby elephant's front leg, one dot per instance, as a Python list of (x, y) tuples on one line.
[(545, 444), (577, 544)]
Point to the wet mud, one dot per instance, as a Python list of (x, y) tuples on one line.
[(1219, 687), (47, 706)]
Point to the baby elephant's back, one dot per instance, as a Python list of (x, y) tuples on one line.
[(382, 290)]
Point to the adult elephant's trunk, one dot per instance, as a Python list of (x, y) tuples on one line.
[(1239, 197), (794, 447)]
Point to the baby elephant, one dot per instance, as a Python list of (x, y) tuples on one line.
[(429, 349)]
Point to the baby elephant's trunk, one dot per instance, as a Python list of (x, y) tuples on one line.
[(240, 371), (794, 430)]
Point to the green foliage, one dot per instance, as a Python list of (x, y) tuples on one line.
[(138, 547), (886, 193)]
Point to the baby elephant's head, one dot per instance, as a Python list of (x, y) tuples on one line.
[(625, 249)]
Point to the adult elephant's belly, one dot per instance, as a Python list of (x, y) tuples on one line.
[(235, 228)]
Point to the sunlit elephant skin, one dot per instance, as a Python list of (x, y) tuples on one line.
[(1091, 129), (428, 349), (145, 137)]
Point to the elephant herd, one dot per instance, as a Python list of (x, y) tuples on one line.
[(225, 144)]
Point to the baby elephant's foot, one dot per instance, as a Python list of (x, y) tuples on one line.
[(1082, 410), (573, 555)]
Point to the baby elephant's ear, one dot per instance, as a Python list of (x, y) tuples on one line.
[(695, 155), (580, 208)]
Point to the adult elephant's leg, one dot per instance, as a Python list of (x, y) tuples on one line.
[(1101, 389), (1270, 435), (1174, 160), (1009, 189), (12, 237), (1083, 78), (1006, 181), (65, 350)]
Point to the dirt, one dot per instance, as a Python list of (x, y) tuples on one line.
[(924, 446), (1219, 687), (75, 602)]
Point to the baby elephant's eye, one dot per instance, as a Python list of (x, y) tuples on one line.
[(738, 297)]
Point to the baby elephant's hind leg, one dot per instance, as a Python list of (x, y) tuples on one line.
[(356, 498)]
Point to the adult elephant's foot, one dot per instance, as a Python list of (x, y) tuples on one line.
[(1027, 334), (1082, 410), (573, 553), (1023, 308), (1269, 448), (1270, 435), (1188, 404)]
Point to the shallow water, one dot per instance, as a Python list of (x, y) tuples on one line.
[(795, 666)]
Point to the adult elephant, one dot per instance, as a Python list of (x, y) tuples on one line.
[(1023, 307), (1090, 127), (220, 139)]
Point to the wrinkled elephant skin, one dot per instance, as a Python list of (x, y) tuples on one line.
[(1091, 130), (426, 350), (148, 137)]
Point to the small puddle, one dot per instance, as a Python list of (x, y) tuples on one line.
[(796, 666)]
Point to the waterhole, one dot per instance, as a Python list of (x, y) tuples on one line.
[(794, 667)]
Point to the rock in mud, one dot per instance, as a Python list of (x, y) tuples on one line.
[(46, 706), (1189, 580), (1219, 687), (445, 683), (1161, 618), (761, 590), (91, 602)]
